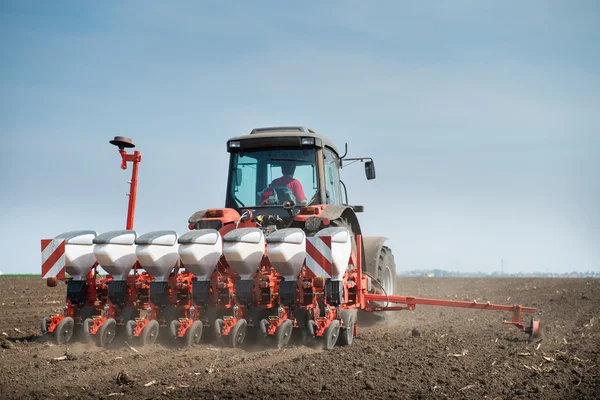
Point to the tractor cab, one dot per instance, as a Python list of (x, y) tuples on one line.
[(284, 167)]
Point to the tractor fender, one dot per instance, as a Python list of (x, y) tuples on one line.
[(213, 218), (371, 247), (197, 216), (333, 212)]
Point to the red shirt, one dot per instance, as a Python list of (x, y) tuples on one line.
[(294, 185)]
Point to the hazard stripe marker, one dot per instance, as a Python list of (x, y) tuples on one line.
[(53, 258), (318, 256)]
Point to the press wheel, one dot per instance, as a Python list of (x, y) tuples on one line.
[(284, 333), (106, 333), (238, 333), (64, 330), (331, 334), (149, 333), (193, 334)]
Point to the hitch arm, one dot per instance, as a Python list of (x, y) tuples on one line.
[(409, 303)]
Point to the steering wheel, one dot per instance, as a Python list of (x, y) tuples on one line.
[(281, 194)]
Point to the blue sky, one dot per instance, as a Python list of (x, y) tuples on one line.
[(482, 118)]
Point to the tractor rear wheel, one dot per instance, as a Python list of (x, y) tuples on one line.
[(386, 272), (284, 333), (193, 334), (106, 333), (64, 330), (149, 333), (382, 269), (331, 334), (238, 333), (347, 332)]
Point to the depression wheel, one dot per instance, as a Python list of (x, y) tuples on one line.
[(129, 329), (85, 330), (534, 330), (331, 334), (106, 333), (64, 330), (217, 329), (174, 329), (238, 333), (347, 332), (284, 333), (149, 333), (44, 325), (193, 334)]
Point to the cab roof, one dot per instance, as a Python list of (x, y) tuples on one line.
[(286, 132)]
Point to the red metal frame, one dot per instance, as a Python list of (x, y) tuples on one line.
[(132, 280), (411, 302), (180, 291), (96, 287), (96, 290), (134, 158), (137, 286)]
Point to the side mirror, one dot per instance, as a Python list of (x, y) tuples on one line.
[(370, 169), (238, 176)]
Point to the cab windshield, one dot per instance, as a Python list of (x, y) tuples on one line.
[(273, 177)]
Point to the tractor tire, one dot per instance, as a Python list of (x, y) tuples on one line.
[(64, 331), (284, 333), (149, 333), (85, 330), (106, 333), (193, 334), (238, 333), (129, 329), (386, 271), (383, 279), (331, 334), (347, 332)]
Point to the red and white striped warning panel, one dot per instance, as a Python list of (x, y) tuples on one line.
[(318, 256), (53, 258)]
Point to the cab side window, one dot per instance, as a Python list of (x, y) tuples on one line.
[(332, 177)]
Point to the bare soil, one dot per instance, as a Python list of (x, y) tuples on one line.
[(431, 353)]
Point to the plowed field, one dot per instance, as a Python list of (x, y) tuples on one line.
[(431, 353)]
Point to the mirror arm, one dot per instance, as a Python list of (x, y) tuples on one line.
[(345, 191), (345, 152), (361, 159)]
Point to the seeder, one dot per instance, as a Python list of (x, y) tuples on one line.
[(285, 258), (127, 287), (86, 290), (170, 290)]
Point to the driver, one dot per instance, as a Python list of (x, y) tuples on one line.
[(288, 180)]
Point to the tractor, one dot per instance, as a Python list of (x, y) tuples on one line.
[(301, 288), (285, 257)]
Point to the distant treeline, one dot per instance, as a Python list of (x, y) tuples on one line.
[(458, 274)]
